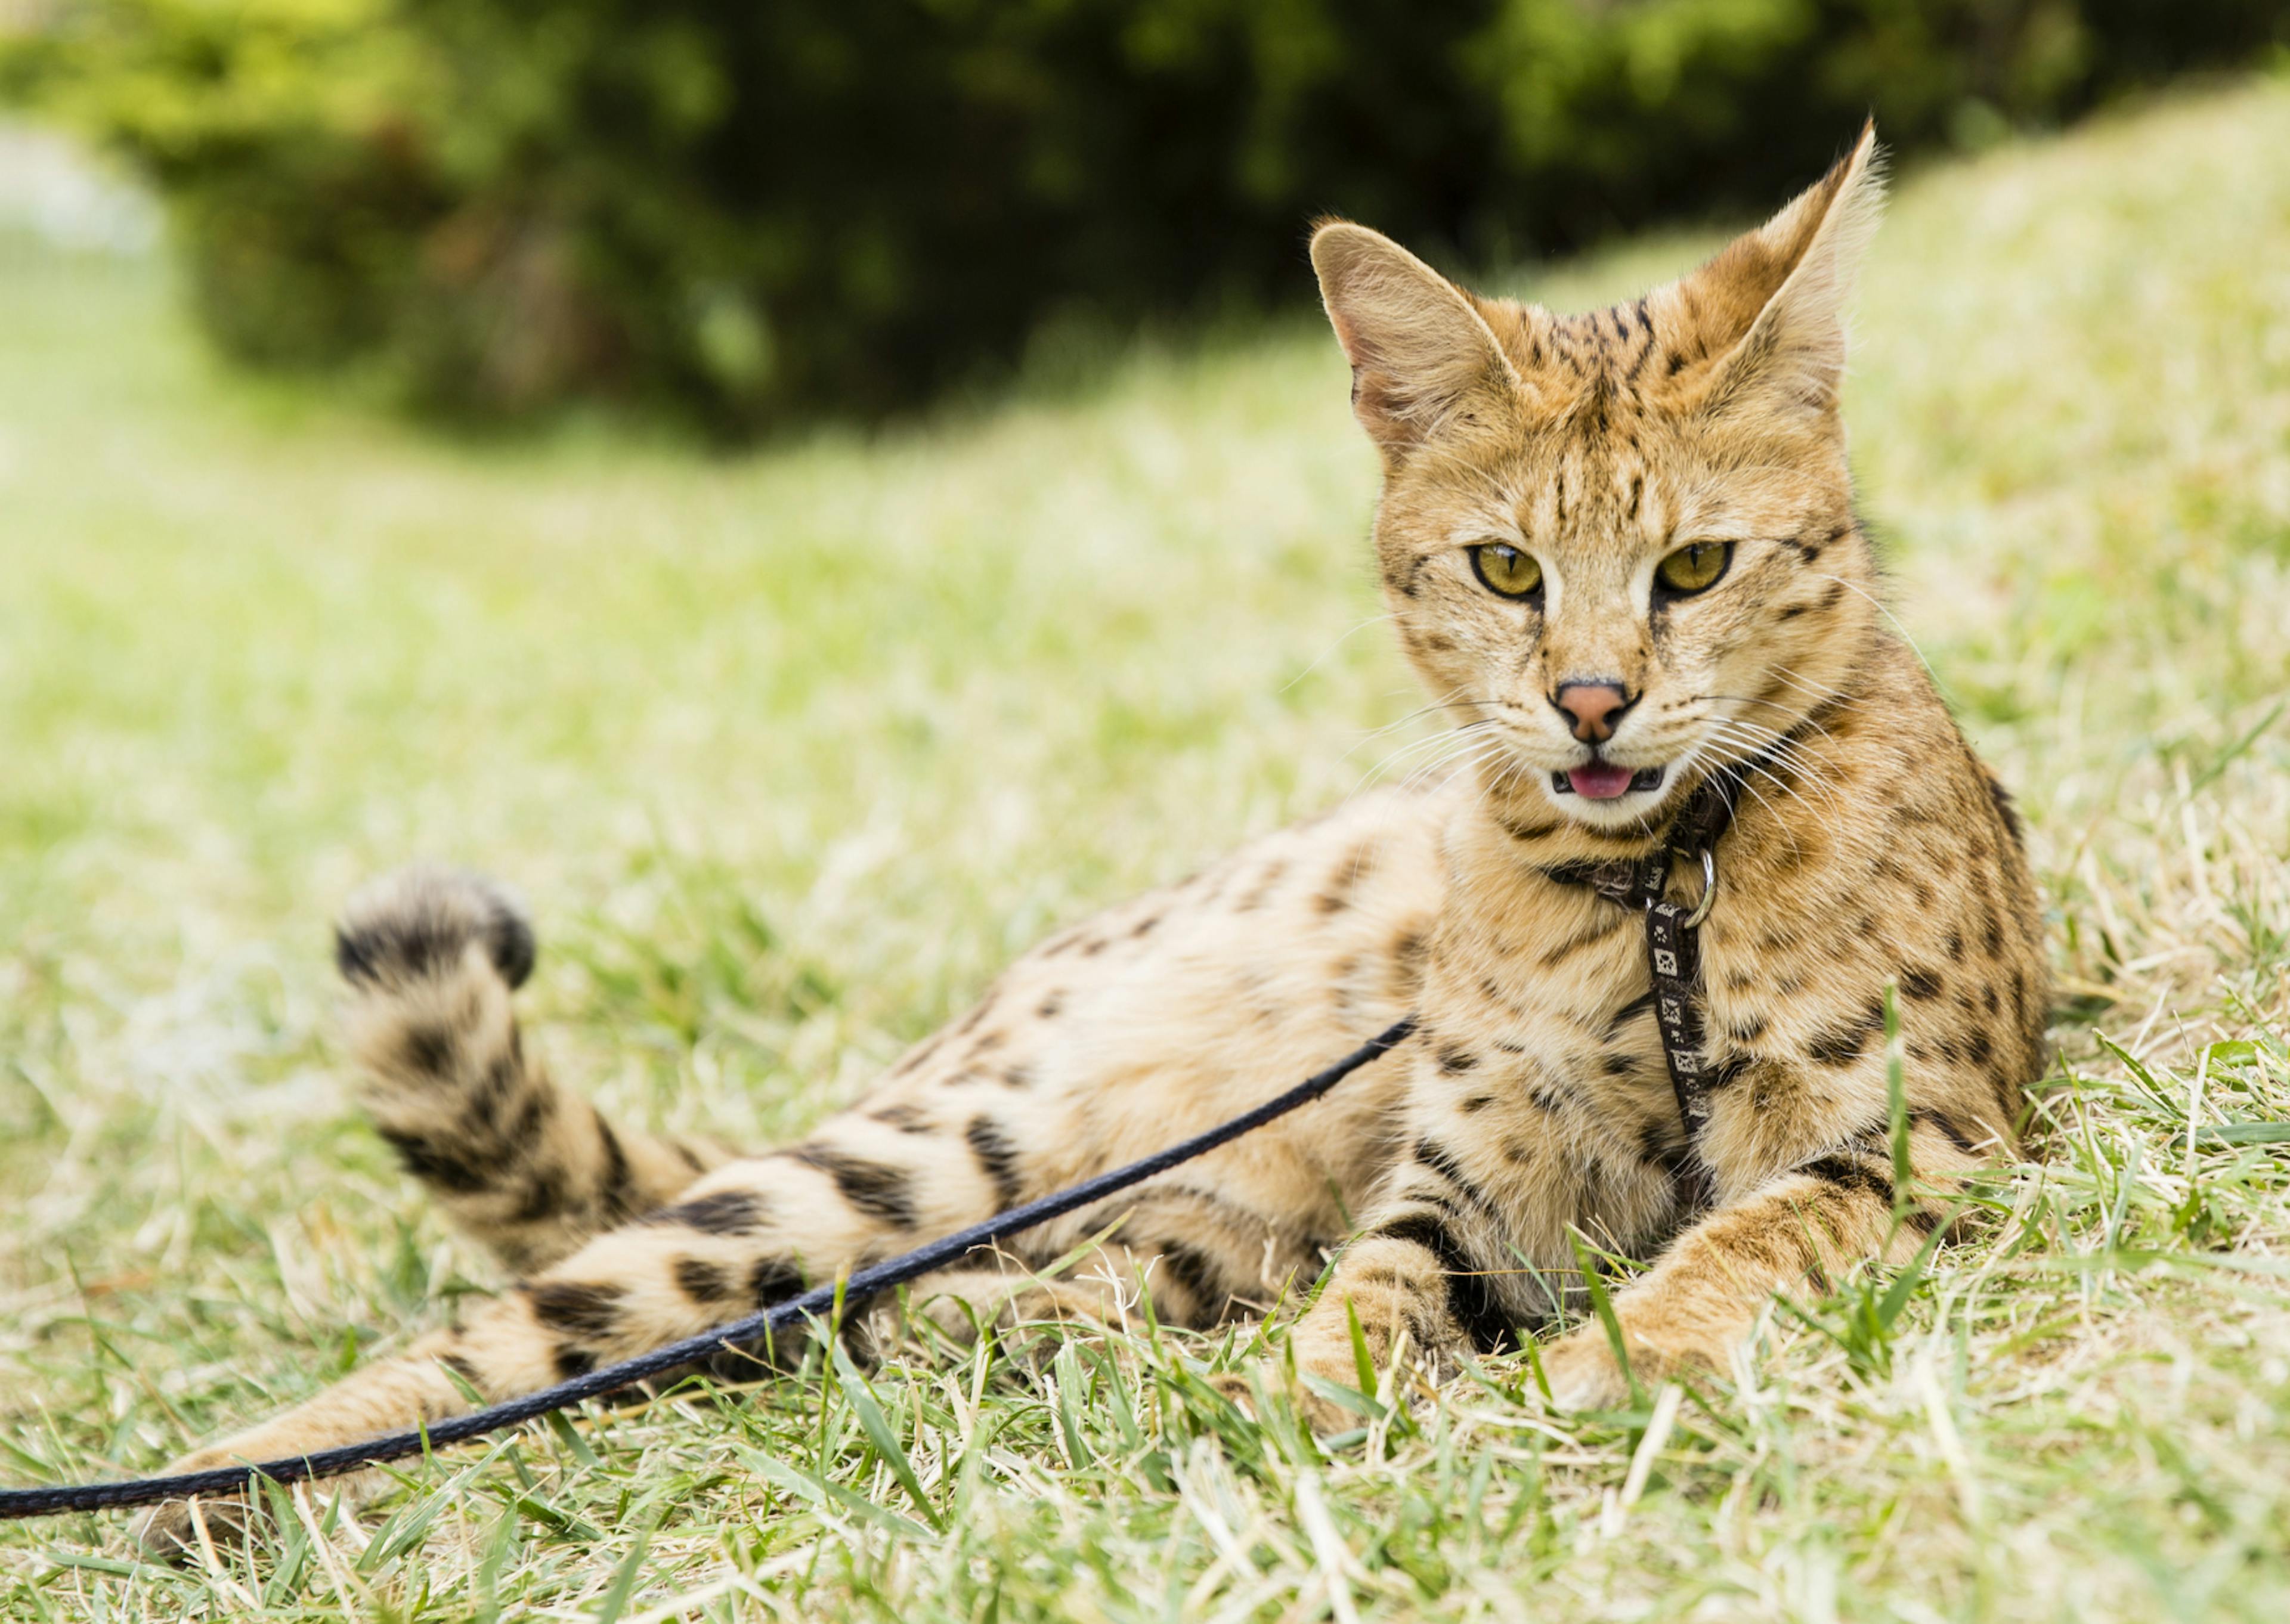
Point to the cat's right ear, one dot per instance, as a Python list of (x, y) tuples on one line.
[(1422, 357)]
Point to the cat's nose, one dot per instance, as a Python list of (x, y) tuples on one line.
[(1594, 707)]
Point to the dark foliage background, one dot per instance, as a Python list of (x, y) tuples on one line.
[(738, 211)]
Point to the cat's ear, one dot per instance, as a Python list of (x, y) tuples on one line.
[(1422, 355), (1770, 311)]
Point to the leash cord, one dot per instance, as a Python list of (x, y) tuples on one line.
[(17, 1503)]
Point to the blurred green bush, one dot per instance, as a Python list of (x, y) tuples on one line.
[(744, 210)]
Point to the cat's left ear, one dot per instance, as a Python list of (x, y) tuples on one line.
[(1770, 311)]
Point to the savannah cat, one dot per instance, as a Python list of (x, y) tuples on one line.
[(1620, 547)]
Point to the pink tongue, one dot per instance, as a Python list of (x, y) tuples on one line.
[(1601, 780)]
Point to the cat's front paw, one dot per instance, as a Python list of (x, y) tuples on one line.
[(1583, 1372), (1323, 1415), (169, 1532)]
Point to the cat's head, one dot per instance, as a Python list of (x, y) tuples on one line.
[(1620, 547)]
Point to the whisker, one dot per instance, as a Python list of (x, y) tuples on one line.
[(1762, 742), (1431, 743), (1321, 657), (1819, 691), (1881, 609)]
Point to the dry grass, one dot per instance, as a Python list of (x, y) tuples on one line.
[(791, 751)]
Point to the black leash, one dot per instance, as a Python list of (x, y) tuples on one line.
[(865, 1283)]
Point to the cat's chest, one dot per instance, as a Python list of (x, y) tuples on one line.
[(1554, 982)]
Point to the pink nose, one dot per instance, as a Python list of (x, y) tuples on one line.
[(1594, 707)]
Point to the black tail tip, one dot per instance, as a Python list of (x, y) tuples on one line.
[(419, 922)]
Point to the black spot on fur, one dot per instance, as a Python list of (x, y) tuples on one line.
[(433, 1165), (725, 1213), (492, 1091), (428, 1048), (1920, 983), (1619, 1065), (1620, 1021), (876, 1189), (1841, 1045), (998, 1159), (1603, 925), (572, 1361), (915, 1057), (544, 1195), (1454, 1061), (1439, 1159), (1478, 1102), (589, 1312), (773, 1282), (615, 1191), (1947, 1126), (2008, 814), (1049, 1007), (1850, 1175), (1195, 1274), (704, 1282)]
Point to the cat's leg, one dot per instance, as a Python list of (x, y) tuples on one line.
[(751, 1233), (1434, 1270), (1440, 1262), (1199, 1254), (524, 1167), (754, 1233), (1803, 1229)]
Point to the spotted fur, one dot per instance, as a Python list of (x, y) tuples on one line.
[(1450, 1181)]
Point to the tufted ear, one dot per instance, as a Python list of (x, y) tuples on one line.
[(1770, 311), (1421, 354)]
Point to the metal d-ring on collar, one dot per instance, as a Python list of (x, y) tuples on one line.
[(1709, 891)]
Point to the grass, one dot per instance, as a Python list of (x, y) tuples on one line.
[(790, 751)]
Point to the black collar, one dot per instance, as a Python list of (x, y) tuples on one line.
[(1639, 882)]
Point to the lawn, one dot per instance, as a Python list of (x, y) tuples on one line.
[(790, 750)]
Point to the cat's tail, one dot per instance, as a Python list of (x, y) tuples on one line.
[(526, 1168)]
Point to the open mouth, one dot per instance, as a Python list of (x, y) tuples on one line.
[(1604, 780)]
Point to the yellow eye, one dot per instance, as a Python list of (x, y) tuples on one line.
[(1506, 570), (1695, 568)]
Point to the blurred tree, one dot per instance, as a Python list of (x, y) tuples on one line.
[(740, 211)]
